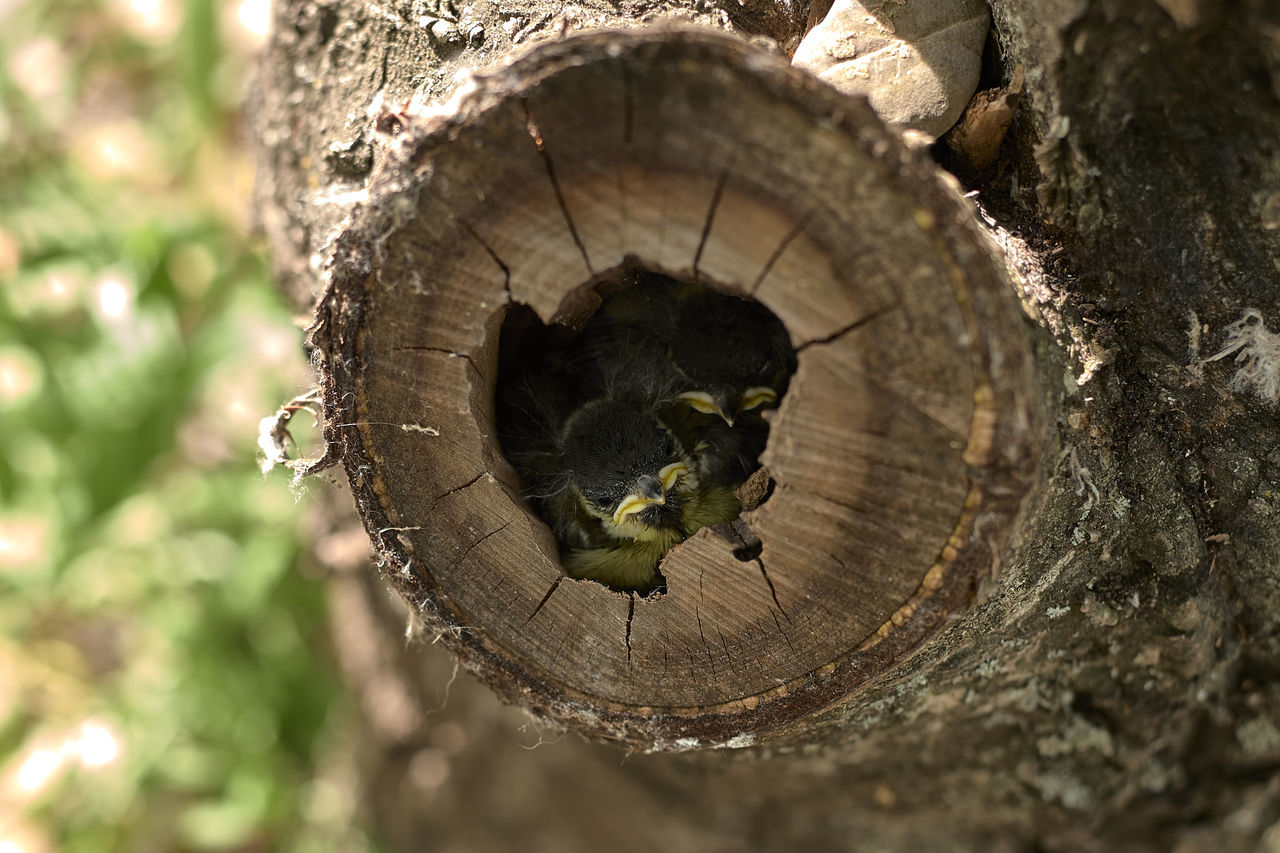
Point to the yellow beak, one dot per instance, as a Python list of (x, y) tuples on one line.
[(761, 395), (701, 401), (650, 492), (634, 503)]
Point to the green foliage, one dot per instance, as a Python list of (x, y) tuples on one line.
[(163, 684)]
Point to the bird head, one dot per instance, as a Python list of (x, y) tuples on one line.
[(733, 355), (628, 469)]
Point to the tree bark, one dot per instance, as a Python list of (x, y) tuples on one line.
[(1113, 684)]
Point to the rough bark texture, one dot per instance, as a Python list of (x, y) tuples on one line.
[(1116, 685)]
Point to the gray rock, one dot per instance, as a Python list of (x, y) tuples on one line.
[(916, 61)]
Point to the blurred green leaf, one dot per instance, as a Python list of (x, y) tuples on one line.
[(148, 569)]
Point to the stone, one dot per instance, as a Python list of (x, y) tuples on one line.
[(916, 61)]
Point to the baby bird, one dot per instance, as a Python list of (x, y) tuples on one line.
[(623, 350), (732, 354), (732, 360), (709, 363), (629, 492), (664, 389)]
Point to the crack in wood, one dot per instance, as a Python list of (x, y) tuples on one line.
[(856, 324), (890, 391), (764, 574), (753, 555), (631, 612), (749, 545), (536, 135), (445, 351), (709, 221), (465, 485), (476, 544), (554, 586), (782, 247), (475, 235), (782, 631), (706, 647)]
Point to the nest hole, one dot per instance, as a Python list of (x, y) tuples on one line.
[(638, 425)]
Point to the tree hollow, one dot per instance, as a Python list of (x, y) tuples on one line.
[(900, 456)]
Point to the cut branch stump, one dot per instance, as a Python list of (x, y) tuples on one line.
[(901, 455)]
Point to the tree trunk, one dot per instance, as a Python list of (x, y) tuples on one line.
[(1015, 585)]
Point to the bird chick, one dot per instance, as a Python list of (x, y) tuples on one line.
[(732, 354), (622, 352), (631, 492), (708, 362), (732, 360), (719, 354)]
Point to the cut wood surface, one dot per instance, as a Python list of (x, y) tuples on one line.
[(900, 454)]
